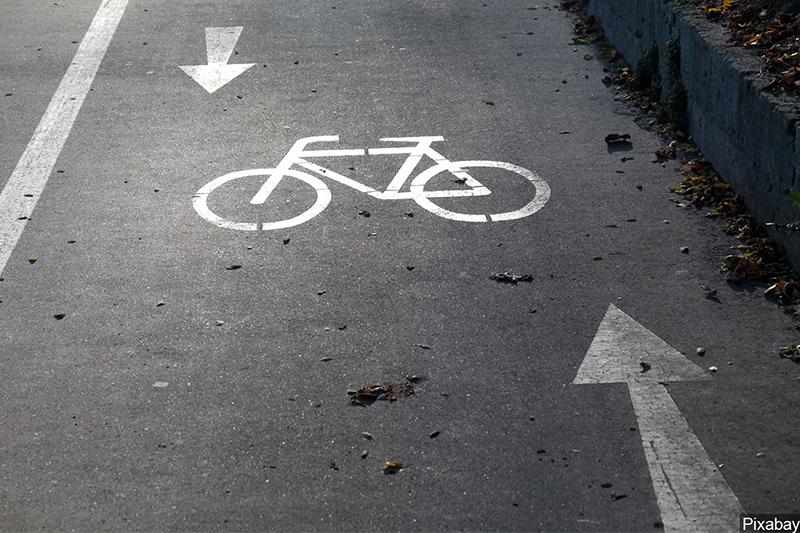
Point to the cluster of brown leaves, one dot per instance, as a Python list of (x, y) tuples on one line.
[(587, 29), (759, 257), (790, 352), (623, 78), (769, 27), (702, 187), (386, 392)]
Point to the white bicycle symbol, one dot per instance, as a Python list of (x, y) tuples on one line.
[(298, 155)]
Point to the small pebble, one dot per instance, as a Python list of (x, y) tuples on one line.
[(434, 435), (712, 369), (760, 454), (701, 351), (684, 249), (326, 359), (366, 435), (160, 304), (220, 322), (160, 384), (364, 454)]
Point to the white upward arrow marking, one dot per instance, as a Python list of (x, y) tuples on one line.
[(220, 43), (691, 493)]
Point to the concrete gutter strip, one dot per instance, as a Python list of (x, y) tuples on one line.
[(750, 136)]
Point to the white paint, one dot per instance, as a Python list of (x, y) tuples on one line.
[(36, 164), (298, 155), (540, 197), (621, 343), (690, 491), (220, 43), (415, 154), (344, 180), (200, 200)]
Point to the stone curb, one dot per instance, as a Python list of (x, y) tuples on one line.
[(750, 136)]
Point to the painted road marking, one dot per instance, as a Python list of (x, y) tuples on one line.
[(200, 200), (220, 43), (420, 147), (27, 181), (691, 493)]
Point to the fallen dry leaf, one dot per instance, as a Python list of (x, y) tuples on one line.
[(787, 292), (617, 138), (790, 352), (667, 152), (509, 277), (743, 268), (386, 392), (392, 467)]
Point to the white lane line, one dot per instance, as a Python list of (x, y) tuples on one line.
[(690, 491), (27, 181)]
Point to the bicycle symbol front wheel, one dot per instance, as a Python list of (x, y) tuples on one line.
[(423, 198), (200, 200)]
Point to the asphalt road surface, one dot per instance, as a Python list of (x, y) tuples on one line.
[(175, 357)]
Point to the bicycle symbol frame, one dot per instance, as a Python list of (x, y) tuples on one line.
[(298, 156)]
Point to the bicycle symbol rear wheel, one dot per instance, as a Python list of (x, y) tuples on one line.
[(200, 200), (540, 197)]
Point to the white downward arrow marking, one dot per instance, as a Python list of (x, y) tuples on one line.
[(691, 493), (220, 43)]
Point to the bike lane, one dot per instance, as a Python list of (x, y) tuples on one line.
[(180, 392)]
